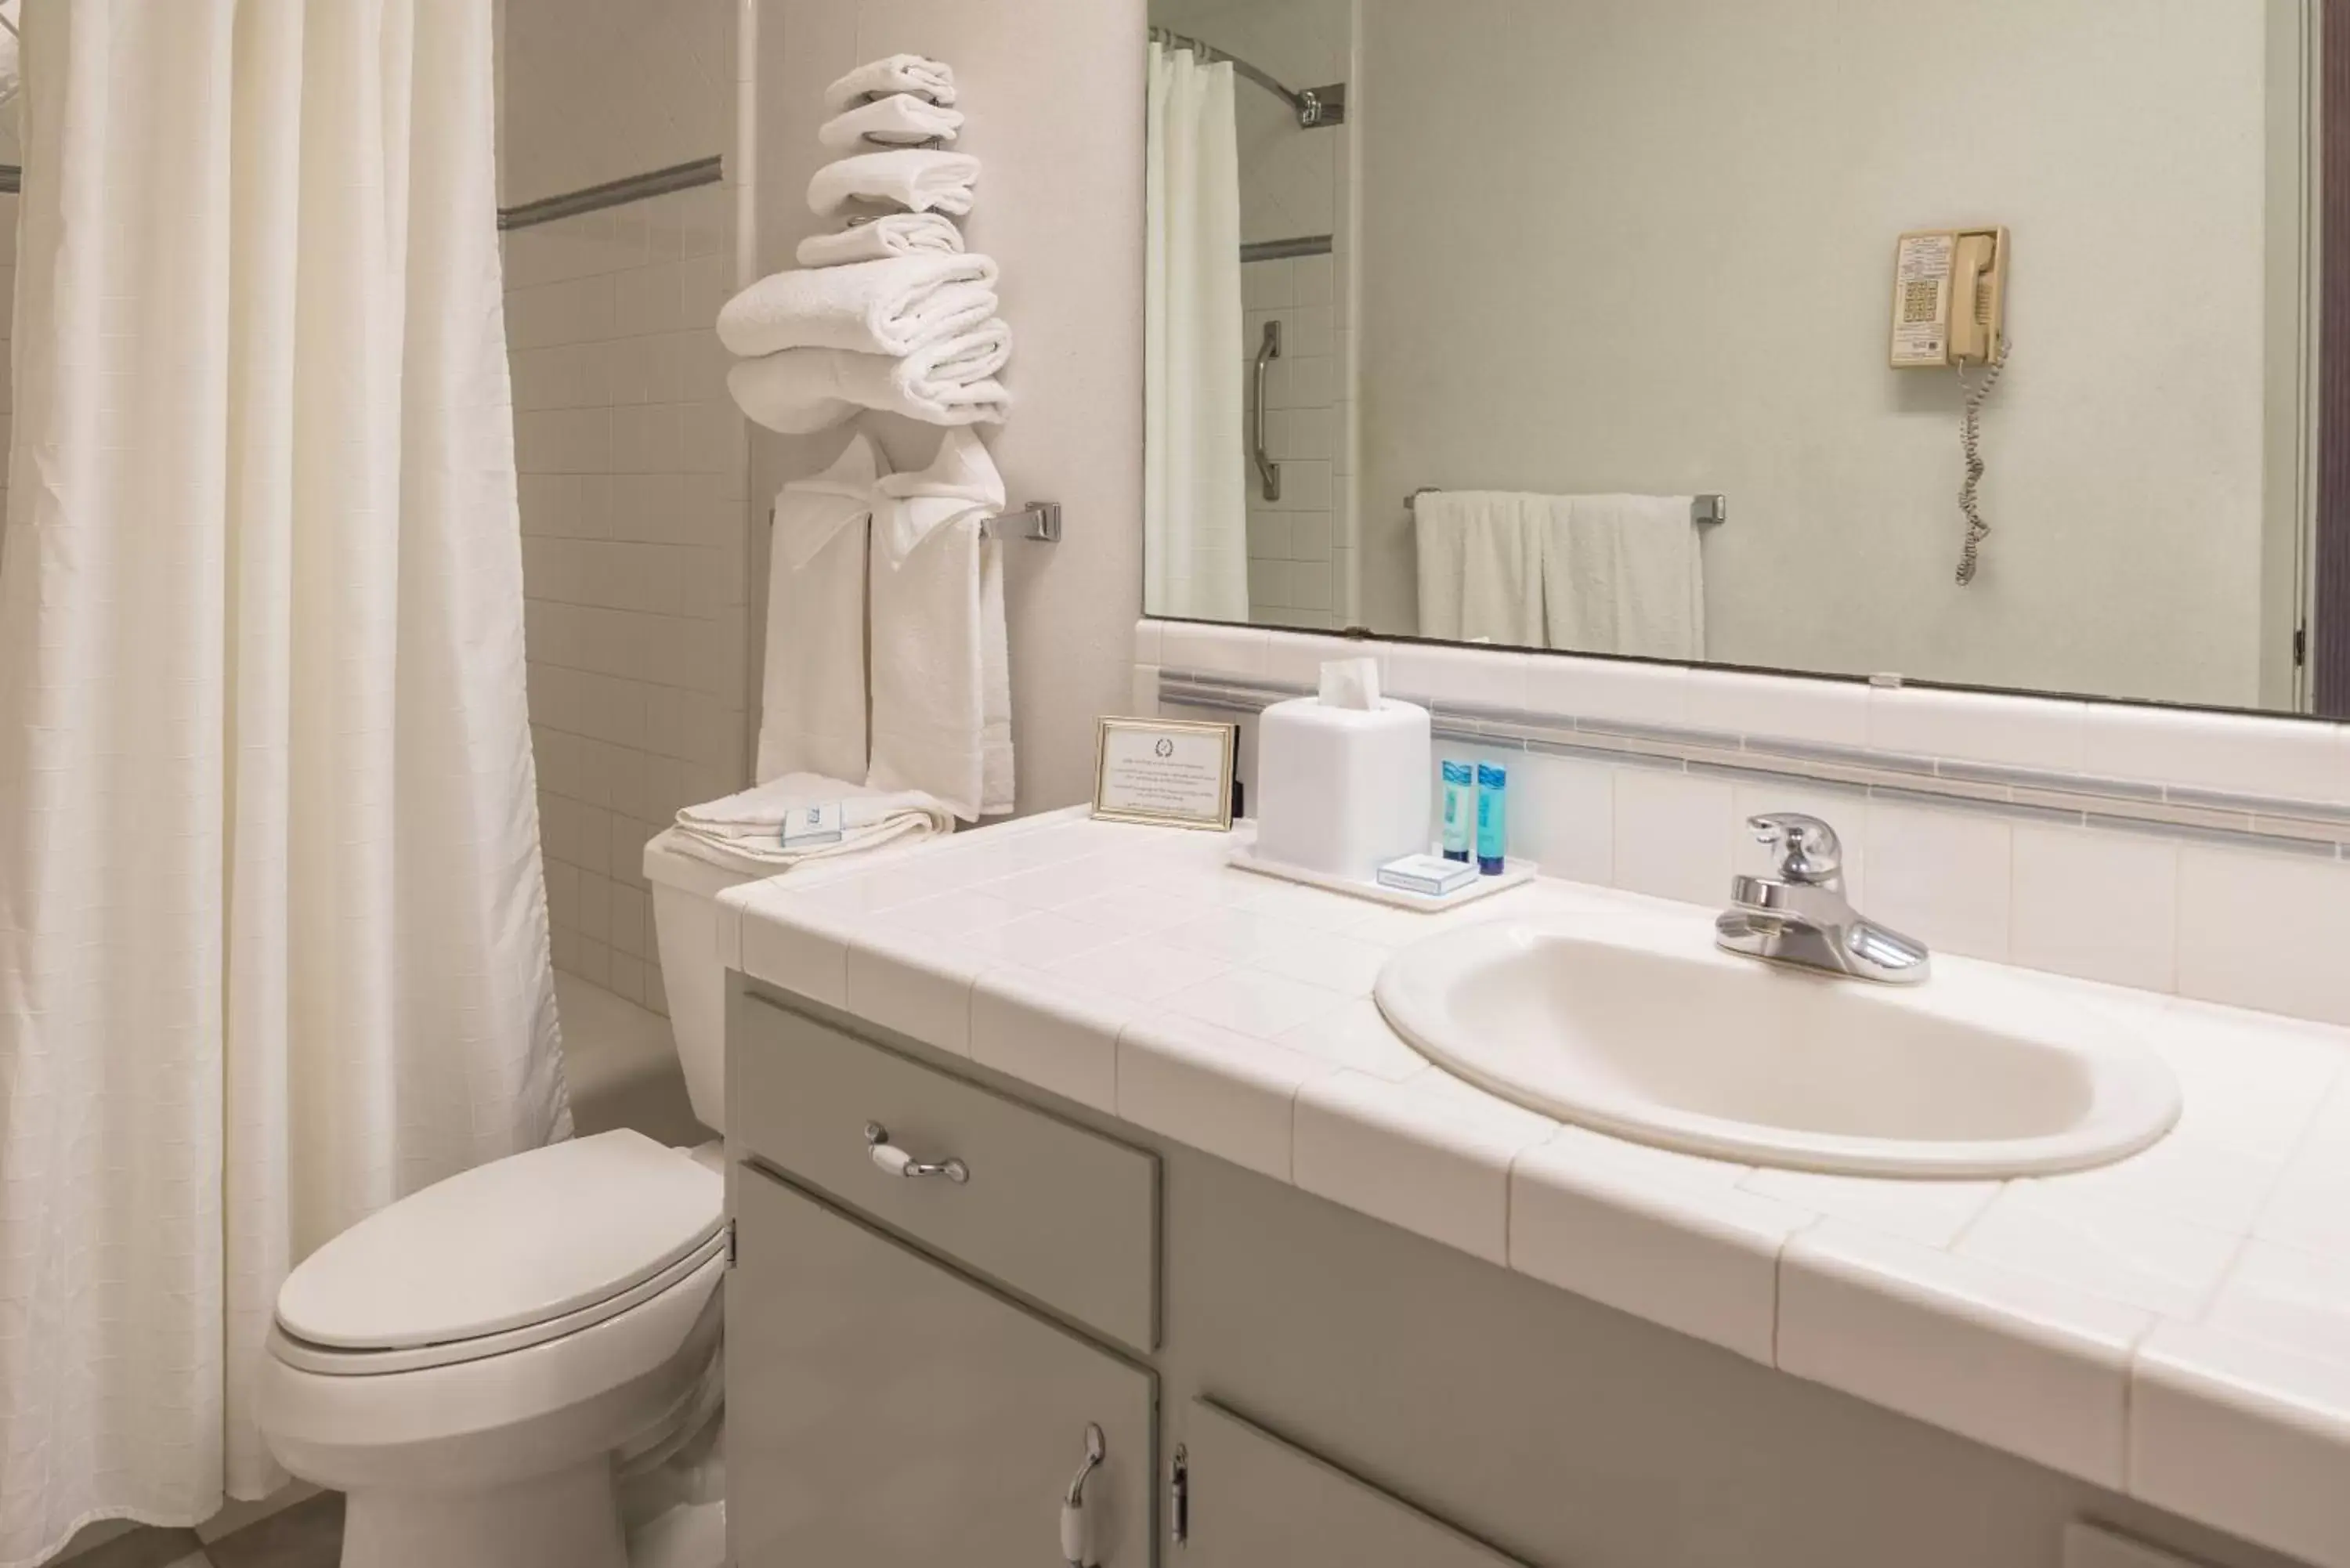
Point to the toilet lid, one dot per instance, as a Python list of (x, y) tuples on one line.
[(508, 1244)]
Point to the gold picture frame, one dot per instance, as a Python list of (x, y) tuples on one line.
[(1164, 771)]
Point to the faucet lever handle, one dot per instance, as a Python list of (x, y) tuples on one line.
[(1807, 848)]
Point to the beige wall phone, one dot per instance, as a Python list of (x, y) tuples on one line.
[(1950, 308)]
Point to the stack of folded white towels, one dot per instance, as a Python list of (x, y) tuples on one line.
[(889, 312)]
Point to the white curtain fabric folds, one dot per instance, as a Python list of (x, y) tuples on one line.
[(273, 935), (1195, 497)]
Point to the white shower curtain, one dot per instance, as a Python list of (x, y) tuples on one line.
[(1194, 484), (272, 937)]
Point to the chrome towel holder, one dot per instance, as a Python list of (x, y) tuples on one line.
[(1042, 520), (1705, 511)]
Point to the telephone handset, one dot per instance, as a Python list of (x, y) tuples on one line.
[(1950, 308), (1950, 296)]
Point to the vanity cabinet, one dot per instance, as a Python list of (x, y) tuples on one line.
[(883, 1409), (1254, 1499)]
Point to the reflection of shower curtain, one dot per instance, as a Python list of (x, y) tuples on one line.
[(1195, 498), (273, 941)]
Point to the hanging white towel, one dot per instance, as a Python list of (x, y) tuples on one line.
[(893, 235), (915, 179), (900, 119), (1480, 576), (949, 382), (941, 670), (745, 832), (1622, 574), (811, 711), (890, 306), (933, 79)]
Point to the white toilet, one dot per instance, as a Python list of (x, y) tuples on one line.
[(483, 1365)]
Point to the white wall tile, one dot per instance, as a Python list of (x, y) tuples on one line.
[(2103, 906), (2231, 752), (1821, 712), (1672, 835), (1942, 876), (2264, 930), (1563, 816), (1977, 727)]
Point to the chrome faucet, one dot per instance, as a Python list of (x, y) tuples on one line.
[(1801, 917)]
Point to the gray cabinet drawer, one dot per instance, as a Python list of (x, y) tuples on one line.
[(882, 1410), (1051, 1210), (1256, 1500)]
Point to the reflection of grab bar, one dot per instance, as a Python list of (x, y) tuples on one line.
[(1268, 472)]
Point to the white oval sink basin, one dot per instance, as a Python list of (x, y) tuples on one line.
[(1639, 1026)]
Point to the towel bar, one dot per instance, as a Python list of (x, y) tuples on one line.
[(1042, 518), (1705, 511)]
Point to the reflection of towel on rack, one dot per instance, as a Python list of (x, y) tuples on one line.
[(1481, 577), (1622, 574), (811, 715), (933, 79), (902, 119), (949, 382), (942, 670), (890, 306), (896, 234), (918, 179)]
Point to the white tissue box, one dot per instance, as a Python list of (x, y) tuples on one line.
[(1342, 790)]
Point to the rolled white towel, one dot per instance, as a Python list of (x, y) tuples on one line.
[(902, 119), (951, 382), (891, 306), (918, 179), (933, 79), (745, 831), (895, 234)]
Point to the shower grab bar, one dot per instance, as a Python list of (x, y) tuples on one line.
[(613, 193), (1268, 472)]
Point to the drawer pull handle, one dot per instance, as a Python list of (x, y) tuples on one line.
[(898, 1162), (1076, 1522)]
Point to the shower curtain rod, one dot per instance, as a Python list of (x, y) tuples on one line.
[(1315, 106)]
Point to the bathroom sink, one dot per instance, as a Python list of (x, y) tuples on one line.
[(1640, 1027)]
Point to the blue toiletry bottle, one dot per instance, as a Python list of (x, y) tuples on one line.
[(1493, 819), (1459, 810)]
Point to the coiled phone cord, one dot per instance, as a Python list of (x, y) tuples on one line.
[(1970, 440)]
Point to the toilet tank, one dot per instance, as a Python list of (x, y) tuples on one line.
[(693, 974)]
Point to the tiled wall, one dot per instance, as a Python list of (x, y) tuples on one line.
[(600, 89), (634, 465), (1299, 550), (2202, 854), (634, 508)]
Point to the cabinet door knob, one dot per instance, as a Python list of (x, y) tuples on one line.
[(898, 1162), (1077, 1520)]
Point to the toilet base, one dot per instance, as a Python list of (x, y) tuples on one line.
[(567, 1519)]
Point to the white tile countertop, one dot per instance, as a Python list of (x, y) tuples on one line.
[(2174, 1326)]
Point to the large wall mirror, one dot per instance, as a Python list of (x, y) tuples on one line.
[(1980, 344)]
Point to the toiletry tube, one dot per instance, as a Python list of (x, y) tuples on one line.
[(1459, 810), (1493, 819)]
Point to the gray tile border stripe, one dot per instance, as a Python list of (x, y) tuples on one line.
[(2304, 828)]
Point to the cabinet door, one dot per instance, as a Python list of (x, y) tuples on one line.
[(1257, 1501), (883, 1410)]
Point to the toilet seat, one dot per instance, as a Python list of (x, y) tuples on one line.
[(511, 1254)]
